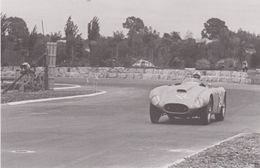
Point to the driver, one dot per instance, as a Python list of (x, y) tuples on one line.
[(196, 75)]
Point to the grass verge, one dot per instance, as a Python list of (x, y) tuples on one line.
[(19, 96), (240, 152)]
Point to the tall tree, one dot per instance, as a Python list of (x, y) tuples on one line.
[(175, 36), (189, 52), (135, 27), (32, 41), (256, 56), (213, 28), (169, 50), (18, 34), (216, 30), (118, 37), (164, 50), (36, 47), (71, 32), (151, 43), (93, 29), (133, 24), (17, 30), (54, 37), (4, 27), (93, 36), (79, 48)]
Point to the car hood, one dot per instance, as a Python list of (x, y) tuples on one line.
[(183, 94)]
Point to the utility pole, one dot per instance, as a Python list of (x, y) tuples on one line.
[(46, 82), (46, 76)]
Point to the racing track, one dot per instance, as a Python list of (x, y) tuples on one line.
[(113, 130)]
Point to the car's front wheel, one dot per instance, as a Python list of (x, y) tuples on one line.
[(205, 116), (220, 116), (171, 117), (155, 114)]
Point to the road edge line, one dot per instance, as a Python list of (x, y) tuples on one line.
[(55, 98)]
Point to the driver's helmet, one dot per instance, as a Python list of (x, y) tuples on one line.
[(25, 65), (196, 75)]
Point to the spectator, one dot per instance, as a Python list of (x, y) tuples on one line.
[(244, 66)]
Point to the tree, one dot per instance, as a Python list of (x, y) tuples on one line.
[(213, 29), (188, 35), (54, 37), (118, 37), (136, 27), (79, 48), (17, 30), (18, 34), (189, 52), (71, 31), (175, 36), (93, 36), (169, 50), (150, 39), (38, 49), (4, 27), (93, 29), (221, 39), (133, 24), (256, 61), (32, 41), (164, 50)]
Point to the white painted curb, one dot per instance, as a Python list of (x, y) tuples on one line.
[(55, 98), (216, 144)]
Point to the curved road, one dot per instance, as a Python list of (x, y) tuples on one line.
[(114, 130)]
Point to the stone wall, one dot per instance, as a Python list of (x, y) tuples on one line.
[(136, 74)]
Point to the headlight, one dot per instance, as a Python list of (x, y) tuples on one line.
[(198, 102), (155, 100)]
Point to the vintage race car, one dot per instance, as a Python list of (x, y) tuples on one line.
[(190, 98)]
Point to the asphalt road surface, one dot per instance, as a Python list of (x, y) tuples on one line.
[(113, 130)]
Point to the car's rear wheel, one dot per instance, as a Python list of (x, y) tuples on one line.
[(155, 114), (205, 116), (220, 116)]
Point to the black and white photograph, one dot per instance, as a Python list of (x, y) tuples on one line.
[(130, 83)]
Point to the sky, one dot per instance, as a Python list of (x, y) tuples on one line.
[(164, 16)]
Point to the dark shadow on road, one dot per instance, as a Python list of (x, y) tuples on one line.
[(181, 121)]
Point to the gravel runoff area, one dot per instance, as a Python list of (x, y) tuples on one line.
[(13, 96), (240, 152)]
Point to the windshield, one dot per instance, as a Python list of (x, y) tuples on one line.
[(190, 79)]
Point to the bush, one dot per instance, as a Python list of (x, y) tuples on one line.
[(227, 64), (202, 64), (255, 61), (176, 62), (220, 64)]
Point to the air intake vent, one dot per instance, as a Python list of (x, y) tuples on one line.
[(173, 107), (181, 91)]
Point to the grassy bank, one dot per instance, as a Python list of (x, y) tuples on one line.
[(13, 96), (240, 152)]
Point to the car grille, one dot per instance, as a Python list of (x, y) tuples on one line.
[(172, 107)]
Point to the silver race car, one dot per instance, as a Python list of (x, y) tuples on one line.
[(188, 99)]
